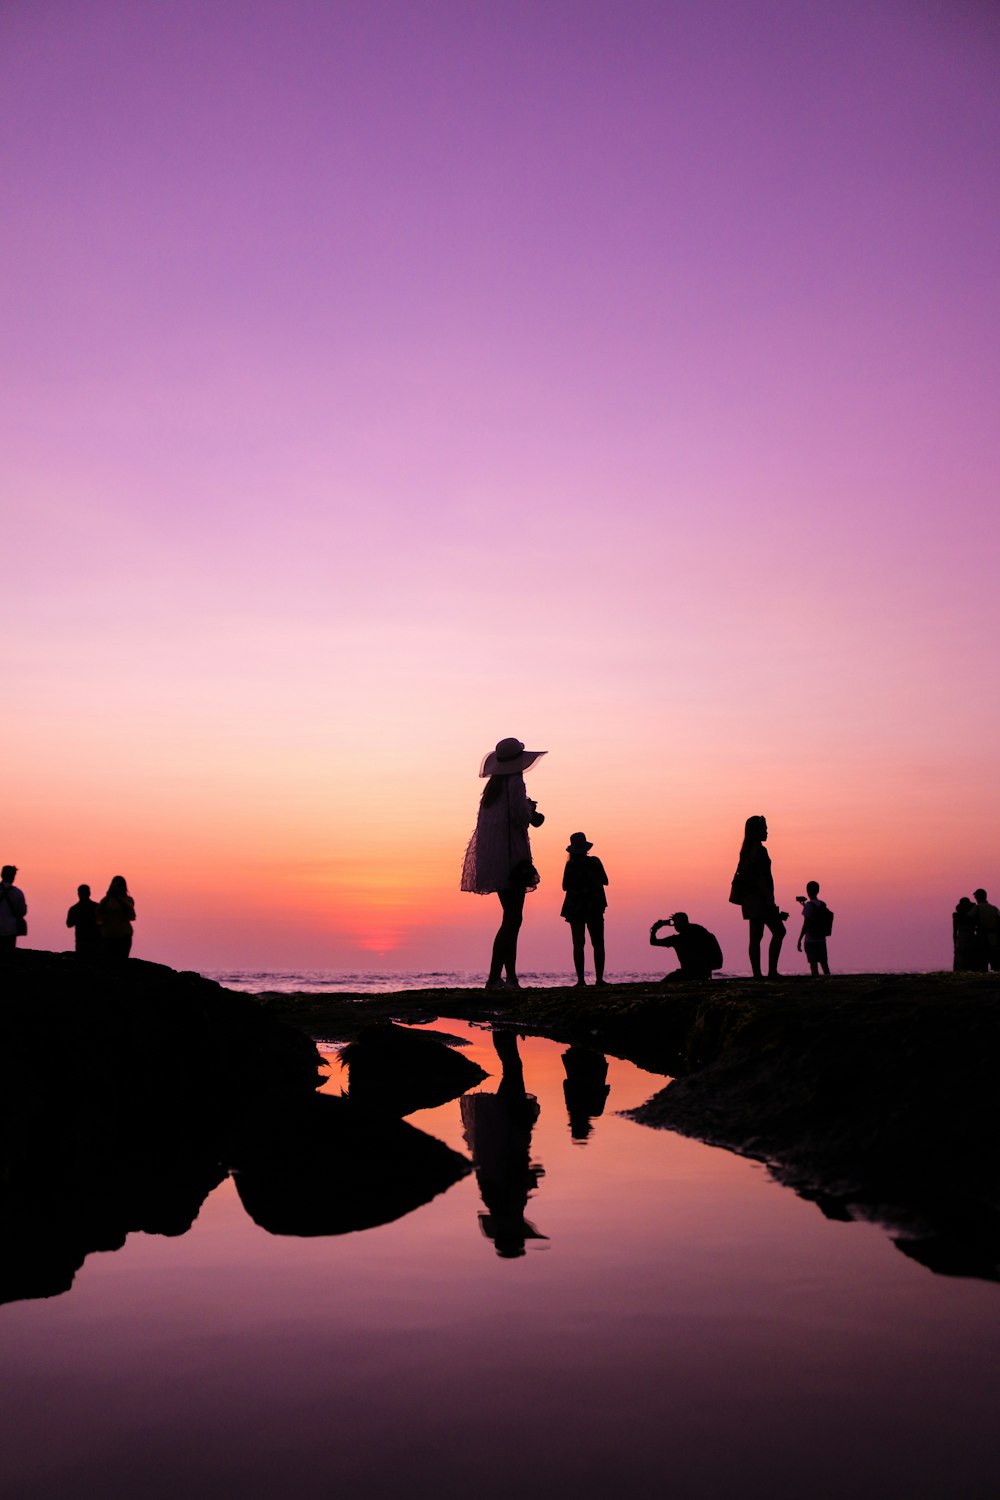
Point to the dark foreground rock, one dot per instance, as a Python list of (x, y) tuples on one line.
[(877, 1099), (393, 1071), (128, 1093), (873, 1095)]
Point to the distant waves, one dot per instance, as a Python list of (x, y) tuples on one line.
[(324, 981)]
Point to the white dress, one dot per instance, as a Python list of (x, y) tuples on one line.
[(500, 841)]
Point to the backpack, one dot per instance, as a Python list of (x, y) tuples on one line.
[(715, 951), (821, 925)]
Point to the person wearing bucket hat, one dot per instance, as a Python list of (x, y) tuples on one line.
[(498, 856), (584, 879)]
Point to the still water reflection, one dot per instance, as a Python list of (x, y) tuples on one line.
[(595, 1308)]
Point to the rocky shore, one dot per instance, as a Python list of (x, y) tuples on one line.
[(873, 1095), (128, 1093)]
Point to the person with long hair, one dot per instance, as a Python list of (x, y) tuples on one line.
[(498, 857), (753, 891), (115, 917)]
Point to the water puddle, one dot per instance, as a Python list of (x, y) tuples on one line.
[(588, 1305)]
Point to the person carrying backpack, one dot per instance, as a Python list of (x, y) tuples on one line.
[(817, 924)]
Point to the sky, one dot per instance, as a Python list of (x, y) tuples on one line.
[(381, 380)]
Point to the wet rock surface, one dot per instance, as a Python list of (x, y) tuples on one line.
[(124, 1091), (874, 1096)]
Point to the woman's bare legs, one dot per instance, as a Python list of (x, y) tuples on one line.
[(777, 928), (505, 942)]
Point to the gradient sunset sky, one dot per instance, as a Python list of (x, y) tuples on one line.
[(384, 379)]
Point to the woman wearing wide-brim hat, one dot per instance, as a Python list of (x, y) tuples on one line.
[(499, 854)]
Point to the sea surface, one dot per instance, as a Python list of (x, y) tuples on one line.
[(326, 981), (593, 1309)]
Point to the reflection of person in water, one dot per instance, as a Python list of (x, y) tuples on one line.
[(498, 1133), (585, 1089)]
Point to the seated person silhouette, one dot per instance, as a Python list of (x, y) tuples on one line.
[(697, 949)]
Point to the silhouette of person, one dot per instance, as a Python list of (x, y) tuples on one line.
[(498, 1133), (585, 1089), (83, 918), (498, 857), (753, 891), (814, 926), (584, 880), (969, 950), (697, 949), (13, 910), (116, 914), (988, 923)]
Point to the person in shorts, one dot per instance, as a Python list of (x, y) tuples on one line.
[(815, 920)]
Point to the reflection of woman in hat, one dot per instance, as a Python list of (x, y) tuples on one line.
[(584, 881), (498, 1133), (499, 856)]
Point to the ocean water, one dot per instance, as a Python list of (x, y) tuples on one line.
[(328, 981)]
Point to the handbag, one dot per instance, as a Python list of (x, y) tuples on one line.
[(737, 890), (524, 876)]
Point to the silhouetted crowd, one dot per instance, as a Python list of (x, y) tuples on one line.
[(102, 929), (498, 860), (975, 928)]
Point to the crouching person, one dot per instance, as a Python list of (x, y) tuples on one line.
[(697, 949)]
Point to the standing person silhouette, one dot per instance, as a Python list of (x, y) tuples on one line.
[(117, 913), (753, 891), (817, 921), (83, 916), (584, 879), (970, 950), (13, 910), (988, 924), (498, 857)]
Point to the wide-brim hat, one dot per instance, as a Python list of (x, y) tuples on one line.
[(575, 842), (508, 758)]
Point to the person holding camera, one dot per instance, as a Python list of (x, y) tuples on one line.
[(498, 857), (584, 880), (817, 924), (697, 949)]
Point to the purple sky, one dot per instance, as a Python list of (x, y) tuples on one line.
[(383, 379)]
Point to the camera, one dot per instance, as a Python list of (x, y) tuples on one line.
[(801, 900), (535, 818), (663, 922)]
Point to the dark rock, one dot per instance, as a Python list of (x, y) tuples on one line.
[(124, 1093), (334, 1169), (394, 1071)]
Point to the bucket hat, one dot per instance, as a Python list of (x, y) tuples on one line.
[(576, 841)]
